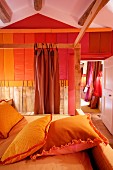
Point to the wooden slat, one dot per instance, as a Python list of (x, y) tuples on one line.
[(96, 8), (5, 12), (65, 30), (38, 5)]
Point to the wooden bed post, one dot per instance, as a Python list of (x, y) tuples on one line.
[(77, 56)]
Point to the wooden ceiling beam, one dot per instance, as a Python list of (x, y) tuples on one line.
[(5, 12), (83, 18), (38, 5), (94, 11)]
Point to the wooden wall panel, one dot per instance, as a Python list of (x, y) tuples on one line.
[(23, 96)]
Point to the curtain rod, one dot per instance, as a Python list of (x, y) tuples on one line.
[(31, 45)]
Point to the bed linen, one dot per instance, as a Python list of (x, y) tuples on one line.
[(74, 161)]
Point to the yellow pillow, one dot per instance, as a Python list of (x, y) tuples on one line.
[(30, 139), (9, 117), (72, 134)]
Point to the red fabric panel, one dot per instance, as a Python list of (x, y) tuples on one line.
[(71, 85), (62, 38), (29, 58), (85, 43), (29, 38), (51, 38), (72, 37), (19, 59), (112, 43), (94, 42), (1, 59), (63, 64), (18, 38), (29, 64), (40, 37), (105, 45), (19, 64)]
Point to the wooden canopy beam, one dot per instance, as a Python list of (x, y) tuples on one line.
[(65, 30), (96, 8), (31, 45), (38, 5), (5, 12)]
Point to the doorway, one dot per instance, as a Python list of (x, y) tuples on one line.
[(91, 86)]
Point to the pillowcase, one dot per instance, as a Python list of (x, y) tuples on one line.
[(9, 117), (31, 138), (72, 134)]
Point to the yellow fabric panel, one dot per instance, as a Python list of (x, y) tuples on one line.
[(8, 64), (7, 38), (15, 83), (25, 83), (2, 83), (30, 83), (6, 83), (63, 83)]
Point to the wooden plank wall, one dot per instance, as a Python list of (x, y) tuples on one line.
[(23, 96)]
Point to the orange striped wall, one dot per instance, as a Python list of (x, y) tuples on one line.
[(17, 64)]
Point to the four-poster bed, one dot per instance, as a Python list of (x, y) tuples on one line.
[(97, 154), (75, 147)]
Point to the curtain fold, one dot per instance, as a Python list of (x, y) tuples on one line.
[(47, 89)]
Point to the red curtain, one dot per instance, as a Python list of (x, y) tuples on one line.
[(47, 89), (93, 80)]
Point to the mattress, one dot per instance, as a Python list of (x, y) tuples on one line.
[(73, 161)]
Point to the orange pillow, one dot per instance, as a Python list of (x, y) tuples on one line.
[(9, 117), (70, 135), (30, 139)]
